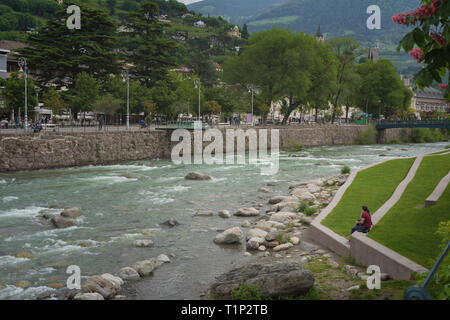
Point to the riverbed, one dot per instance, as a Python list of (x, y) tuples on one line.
[(125, 202)]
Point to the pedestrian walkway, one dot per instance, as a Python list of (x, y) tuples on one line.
[(366, 250), (379, 214), (438, 191)]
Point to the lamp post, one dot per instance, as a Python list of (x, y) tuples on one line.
[(252, 90), (197, 84), (126, 79), (23, 68)]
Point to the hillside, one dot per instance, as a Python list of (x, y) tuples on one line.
[(337, 18), (236, 11)]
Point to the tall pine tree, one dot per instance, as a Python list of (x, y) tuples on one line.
[(61, 54), (148, 48)]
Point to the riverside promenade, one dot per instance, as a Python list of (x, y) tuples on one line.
[(368, 251)]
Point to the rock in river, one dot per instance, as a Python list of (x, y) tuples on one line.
[(71, 213), (233, 235), (273, 279), (97, 284), (146, 267), (224, 214), (61, 222), (89, 296), (128, 273), (143, 243), (197, 176), (247, 212)]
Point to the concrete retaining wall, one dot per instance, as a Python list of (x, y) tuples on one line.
[(370, 252), (52, 150)]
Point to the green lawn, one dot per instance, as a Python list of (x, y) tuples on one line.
[(372, 187), (409, 229)]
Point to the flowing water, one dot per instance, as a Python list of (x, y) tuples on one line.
[(122, 203)]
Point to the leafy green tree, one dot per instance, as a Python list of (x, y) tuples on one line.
[(108, 105), (149, 50), (381, 89), (53, 100), (14, 94), (61, 53), (84, 94), (264, 64), (345, 50), (323, 77)]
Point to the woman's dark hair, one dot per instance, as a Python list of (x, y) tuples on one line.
[(366, 209)]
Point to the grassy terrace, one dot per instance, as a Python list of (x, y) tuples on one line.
[(408, 227), (372, 187)]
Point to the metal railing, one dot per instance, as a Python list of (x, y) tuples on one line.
[(389, 124)]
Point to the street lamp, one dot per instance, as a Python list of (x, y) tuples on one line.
[(252, 90), (197, 84), (126, 79), (23, 68)]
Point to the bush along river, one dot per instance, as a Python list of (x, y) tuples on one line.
[(121, 214)]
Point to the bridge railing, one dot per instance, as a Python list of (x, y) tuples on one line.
[(387, 124)]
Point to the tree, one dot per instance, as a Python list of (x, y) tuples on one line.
[(84, 94), (432, 38), (14, 94), (148, 48), (212, 107), (107, 105), (111, 5), (245, 34), (381, 89), (301, 59), (53, 100), (263, 64), (323, 77), (56, 50), (345, 50)]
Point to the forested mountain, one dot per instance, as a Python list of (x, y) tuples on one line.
[(336, 17), (236, 11)]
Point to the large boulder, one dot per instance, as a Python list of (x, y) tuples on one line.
[(282, 247), (313, 188), (254, 243), (128, 273), (229, 236), (258, 233), (264, 225), (203, 213), (224, 214), (146, 267), (61, 222), (71, 213), (284, 216), (197, 176), (272, 279), (97, 284), (278, 199), (117, 282), (247, 212), (279, 206)]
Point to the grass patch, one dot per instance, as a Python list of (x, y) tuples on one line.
[(409, 230), (372, 187), (305, 208), (247, 292)]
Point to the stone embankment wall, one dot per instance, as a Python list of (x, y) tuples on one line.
[(53, 150)]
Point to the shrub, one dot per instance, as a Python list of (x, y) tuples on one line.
[(394, 141), (247, 292), (368, 136), (302, 206), (292, 146), (310, 211), (345, 170), (422, 135)]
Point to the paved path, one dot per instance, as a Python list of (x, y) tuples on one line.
[(438, 191), (379, 214)]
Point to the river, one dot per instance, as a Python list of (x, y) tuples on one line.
[(120, 201)]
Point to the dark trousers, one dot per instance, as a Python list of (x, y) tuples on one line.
[(360, 228)]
